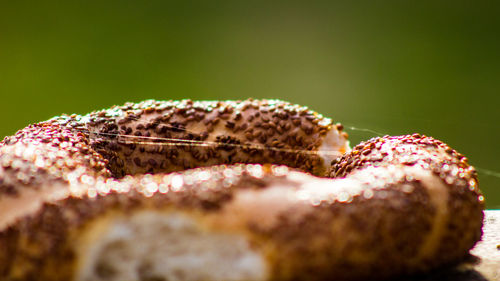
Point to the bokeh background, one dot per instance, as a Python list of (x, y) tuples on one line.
[(379, 67)]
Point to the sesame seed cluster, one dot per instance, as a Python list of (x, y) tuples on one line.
[(44, 153), (166, 136), (409, 150)]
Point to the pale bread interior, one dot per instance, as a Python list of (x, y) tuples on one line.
[(159, 246)]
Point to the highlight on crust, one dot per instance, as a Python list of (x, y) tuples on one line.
[(228, 190)]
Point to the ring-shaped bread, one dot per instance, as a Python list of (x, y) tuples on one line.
[(233, 190)]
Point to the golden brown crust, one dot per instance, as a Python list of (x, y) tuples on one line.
[(167, 136), (335, 225), (464, 201), (409, 150), (41, 240), (45, 152), (379, 218)]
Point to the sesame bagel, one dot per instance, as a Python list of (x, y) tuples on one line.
[(233, 190)]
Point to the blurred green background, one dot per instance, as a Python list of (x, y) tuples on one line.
[(392, 67)]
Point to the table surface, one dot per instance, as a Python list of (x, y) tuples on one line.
[(488, 250), (486, 265)]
